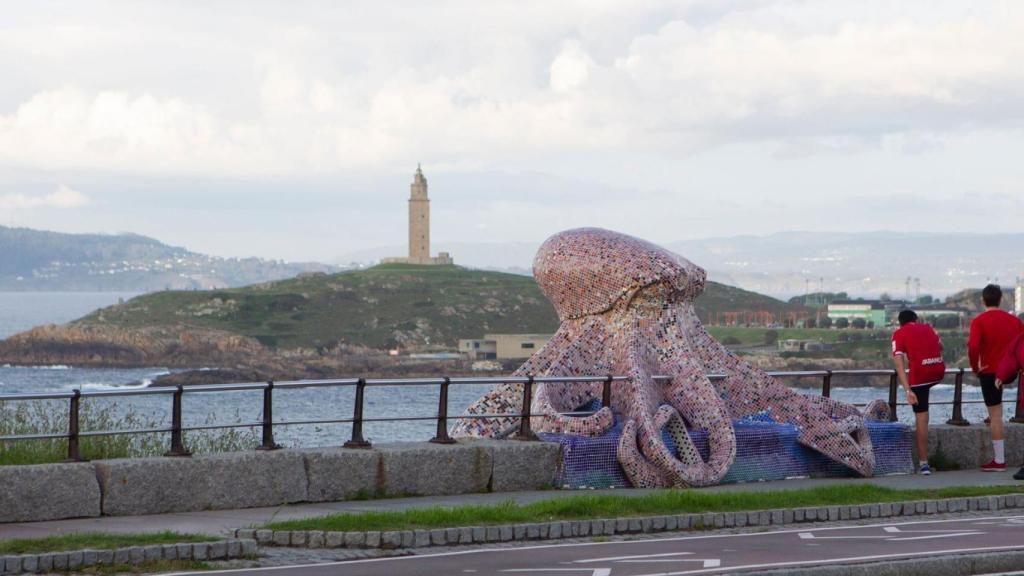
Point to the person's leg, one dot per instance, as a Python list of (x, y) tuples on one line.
[(921, 435), (994, 402), (921, 432)]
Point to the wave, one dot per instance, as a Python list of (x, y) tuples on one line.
[(45, 367), (98, 386)]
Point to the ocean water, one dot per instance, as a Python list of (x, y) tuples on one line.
[(19, 311)]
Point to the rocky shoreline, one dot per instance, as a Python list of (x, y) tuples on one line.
[(216, 357)]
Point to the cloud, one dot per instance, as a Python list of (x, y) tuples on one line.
[(62, 197), (350, 90)]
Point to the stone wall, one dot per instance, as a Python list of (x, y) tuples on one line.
[(251, 479), (968, 447)]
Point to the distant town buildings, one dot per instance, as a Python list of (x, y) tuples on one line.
[(419, 227), (503, 346), (877, 314), (872, 312)]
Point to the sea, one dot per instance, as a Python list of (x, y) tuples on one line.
[(20, 311)]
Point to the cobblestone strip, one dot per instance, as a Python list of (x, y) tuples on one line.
[(395, 539), (79, 559)]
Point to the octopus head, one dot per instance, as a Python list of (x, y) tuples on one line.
[(588, 271)]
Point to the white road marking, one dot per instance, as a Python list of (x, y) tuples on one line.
[(934, 536), (931, 535), (838, 560), (627, 543), (593, 571), (708, 562), (615, 558)]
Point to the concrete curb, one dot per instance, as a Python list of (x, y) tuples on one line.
[(611, 526), (78, 559), (948, 565)]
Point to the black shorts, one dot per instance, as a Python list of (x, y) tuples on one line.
[(922, 397), (993, 396)]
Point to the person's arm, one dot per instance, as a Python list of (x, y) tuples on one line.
[(901, 374), (974, 347)]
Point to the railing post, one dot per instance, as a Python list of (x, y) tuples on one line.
[(826, 384), (893, 388), (1018, 413), (357, 440), (958, 392), (177, 444), (73, 454), (606, 392), (442, 436), (268, 419), (525, 432)]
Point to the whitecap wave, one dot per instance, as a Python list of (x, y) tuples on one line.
[(100, 386), (51, 367)]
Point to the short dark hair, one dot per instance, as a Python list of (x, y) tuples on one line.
[(992, 295), (907, 316)]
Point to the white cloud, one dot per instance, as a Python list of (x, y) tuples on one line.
[(62, 197), (342, 90)]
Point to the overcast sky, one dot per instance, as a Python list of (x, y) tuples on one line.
[(292, 129)]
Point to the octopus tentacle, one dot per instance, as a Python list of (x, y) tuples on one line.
[(698, 402), (641, 472), (749, 390)]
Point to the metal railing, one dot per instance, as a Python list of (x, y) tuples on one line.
[(267, 423)]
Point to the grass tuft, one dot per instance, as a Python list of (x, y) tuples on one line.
[(603, 506), (95, 541), (41, 417)]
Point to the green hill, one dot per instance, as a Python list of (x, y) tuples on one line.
[(419, 307)]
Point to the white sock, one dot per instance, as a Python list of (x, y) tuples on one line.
[(997, 448), (924, 462)]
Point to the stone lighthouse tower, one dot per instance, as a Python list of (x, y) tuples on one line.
[(419, 227), (419, 220)]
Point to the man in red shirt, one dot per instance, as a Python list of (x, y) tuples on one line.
[(917, 347), (991, 332)]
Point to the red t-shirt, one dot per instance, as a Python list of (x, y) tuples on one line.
[(991, 332), (923, 350)]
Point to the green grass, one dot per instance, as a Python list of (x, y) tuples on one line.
[(157, 567), (663, 502), (95, 541)]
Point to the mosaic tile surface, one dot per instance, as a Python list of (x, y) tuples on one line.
[(626, 308)]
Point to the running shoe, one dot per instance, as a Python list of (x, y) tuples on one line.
[(994, 466), (1020, 474), (924, 470)]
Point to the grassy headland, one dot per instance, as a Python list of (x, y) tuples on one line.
[(318, 324)]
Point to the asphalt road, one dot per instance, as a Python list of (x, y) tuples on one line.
[(696, 554)]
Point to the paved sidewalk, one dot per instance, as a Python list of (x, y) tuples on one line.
[(220, 522)]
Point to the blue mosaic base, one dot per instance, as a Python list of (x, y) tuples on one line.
[(765, 450)]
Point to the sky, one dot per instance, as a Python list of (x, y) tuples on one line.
[(292, 129)]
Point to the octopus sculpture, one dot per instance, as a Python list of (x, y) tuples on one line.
[(626, 307)]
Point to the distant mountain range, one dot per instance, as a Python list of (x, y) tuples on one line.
[(34, 260), (789, 263)]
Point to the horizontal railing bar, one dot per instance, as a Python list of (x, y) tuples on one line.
[(37, 396), (316, 383), (303, 422), (48, 436), (222, 426), (235, 387), (131, 431), (400, 418), (149, 391), (306, 422)]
